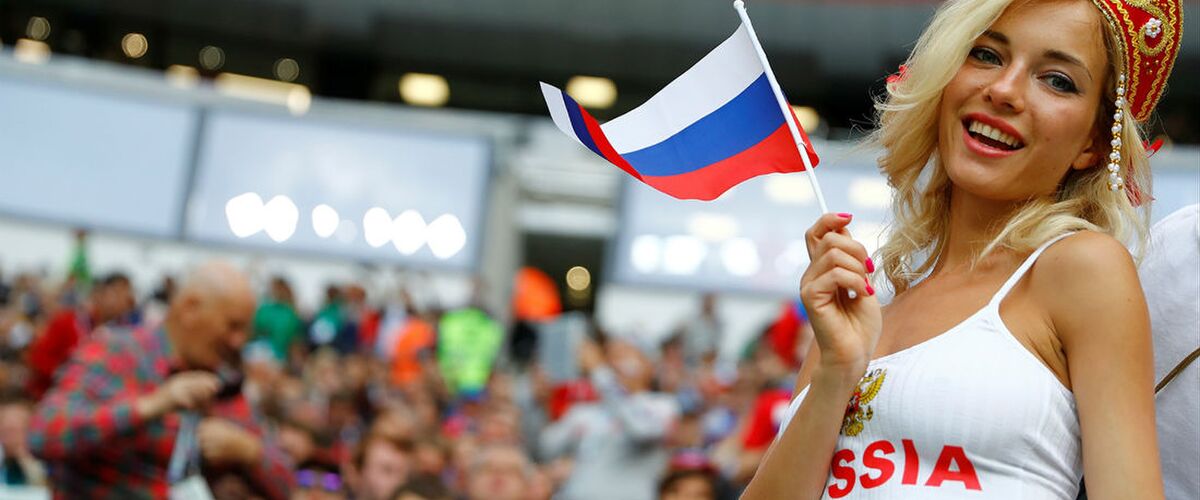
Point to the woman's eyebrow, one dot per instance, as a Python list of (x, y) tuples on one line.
[(1061, 56), (997, 36), (1054, 54)]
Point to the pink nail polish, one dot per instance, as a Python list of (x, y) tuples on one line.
[(845, 215), (870, 291), (870, 265)]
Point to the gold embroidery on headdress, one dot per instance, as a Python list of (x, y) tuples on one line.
[(1149, 35), (1155, 29)]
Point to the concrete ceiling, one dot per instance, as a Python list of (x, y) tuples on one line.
[(831, 54)]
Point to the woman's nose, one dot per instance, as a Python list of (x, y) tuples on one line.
[(1006, 92)]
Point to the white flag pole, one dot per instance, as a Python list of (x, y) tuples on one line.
[(740, 6)]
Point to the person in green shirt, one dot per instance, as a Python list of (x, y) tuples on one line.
[(467, 345), (79, 273), (276, 321)]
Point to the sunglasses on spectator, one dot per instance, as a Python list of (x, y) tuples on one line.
[(326, 481)]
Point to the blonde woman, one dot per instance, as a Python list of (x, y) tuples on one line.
[(1015, 358)]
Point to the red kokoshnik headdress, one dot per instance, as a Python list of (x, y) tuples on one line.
[(1150, 32)]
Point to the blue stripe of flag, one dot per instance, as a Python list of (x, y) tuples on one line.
[(734, 127), (578, 125)]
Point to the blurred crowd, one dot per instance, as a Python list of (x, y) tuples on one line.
[(372, 396)]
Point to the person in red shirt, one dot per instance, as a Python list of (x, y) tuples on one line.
[(111, 300), (780, 353), (108, 427)]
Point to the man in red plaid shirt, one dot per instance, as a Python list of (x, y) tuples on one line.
[(108, 427)]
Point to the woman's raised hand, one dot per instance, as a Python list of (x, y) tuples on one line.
[(846, 329)]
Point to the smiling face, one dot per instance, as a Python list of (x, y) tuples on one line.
[(1023, 107)]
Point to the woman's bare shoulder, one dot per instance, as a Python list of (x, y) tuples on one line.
[(1083, 256), (1085, 277)]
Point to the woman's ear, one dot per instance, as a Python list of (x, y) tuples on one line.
[(1090, 155)]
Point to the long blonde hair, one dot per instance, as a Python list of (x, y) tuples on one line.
[(908, 136)]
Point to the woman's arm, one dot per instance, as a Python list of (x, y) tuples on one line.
[(797, 464), (846, 332), (1095, 303)]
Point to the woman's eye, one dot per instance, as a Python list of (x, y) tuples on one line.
[(985, 55), (1060, 83)]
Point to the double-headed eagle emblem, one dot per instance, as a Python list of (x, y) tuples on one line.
[(857, 410)]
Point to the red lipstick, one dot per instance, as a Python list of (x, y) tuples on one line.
[(984, 149), (997, 124)]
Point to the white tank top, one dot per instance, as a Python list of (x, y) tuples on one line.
[(970, 413)]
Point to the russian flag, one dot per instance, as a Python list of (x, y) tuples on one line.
[(711, 128)]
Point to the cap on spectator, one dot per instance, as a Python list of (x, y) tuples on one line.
[(691, 460)]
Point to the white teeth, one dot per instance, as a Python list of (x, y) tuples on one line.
[(993, 134)]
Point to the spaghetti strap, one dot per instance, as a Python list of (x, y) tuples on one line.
[(1020, 272)]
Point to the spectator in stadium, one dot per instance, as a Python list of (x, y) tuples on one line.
[(412, 349), (301, 442), (154, 308), (778, 354), (468, 342), (79, 272), (18, 466), (618, 442), (276, 321), (687, 485), (690, 476), (500, 472), (329, 326), (430, 455), (361, 317), (16, 330), (422, 487), (108, 426), (319, 484), (5, 289), (702, 334), (381, 465), (111, 300)]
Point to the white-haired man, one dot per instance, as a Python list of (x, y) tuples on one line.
[(110, 427)]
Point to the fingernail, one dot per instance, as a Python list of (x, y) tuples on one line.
[(870, 291), (845, 215), (870, 265)]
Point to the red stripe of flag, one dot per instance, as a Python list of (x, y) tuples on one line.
[(604, 146), (776, 153)]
